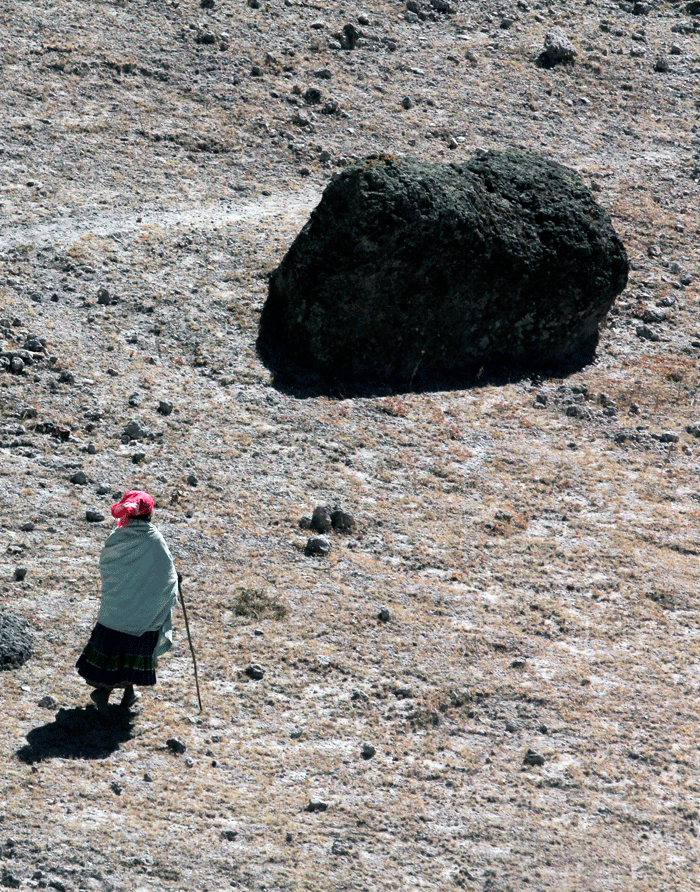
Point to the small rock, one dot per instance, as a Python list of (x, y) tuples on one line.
[(28, 526), (341, 521), (103, 297), (48, 702), (207, 4), (254, 4), (138, 457), (668, 437), (557, 48), (176, 746), (662, 65), (229, 834), (189, 762), (316, 805), (407, 102), (10, 880), (66, 377), (533, 758), (321, 519), (403, 692), (305, 522), (20, 573), (79, 477), (647, 334), (165, 407), (134, 431), (384, 615), (254, 671), (17, 365), (313, 96), (512, 727), (148, 777), (318, 545), (368, 750), (92, 515), (117, 788), (339, 848), (192, 479), (349, 37), (103, 489)]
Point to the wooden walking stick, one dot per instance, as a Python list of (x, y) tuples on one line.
[(189, 638)]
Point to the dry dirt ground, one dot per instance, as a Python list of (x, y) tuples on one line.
[(535, 543)]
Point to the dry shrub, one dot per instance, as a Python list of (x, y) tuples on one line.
[(256, 604)]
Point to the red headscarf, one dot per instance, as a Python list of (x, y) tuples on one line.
[(134, 503)]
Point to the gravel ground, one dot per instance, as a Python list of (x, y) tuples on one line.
[(491, 682)]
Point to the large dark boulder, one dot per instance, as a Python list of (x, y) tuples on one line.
[(16, 641), (409, 269)]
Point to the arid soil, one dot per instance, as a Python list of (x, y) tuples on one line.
[(531, 692)]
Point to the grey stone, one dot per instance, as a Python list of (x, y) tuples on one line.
[(16, 641), (230, 835), (134, 430), (557, 48), (321, 519), (48, 702), (28, 527), (318, 545), (410, 270), (192, 479), (9, 879), (103, 489), (384, 615), (317, 805), (103, 297), (165, 407), (93, 515), (368, 751), (533, 758), (79, 477), (662, 65), (512, 727), (176, 746), (17, 365), (339, 848), (20, 573), (342, 522), (138, 457), (254, 671)]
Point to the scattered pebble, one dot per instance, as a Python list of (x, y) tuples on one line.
[(79, 477), (20, 573), (533, 758), (317, 805), (318, 545), (93, 515), (321, 520), (368, 750), (384, 615), (176, 746), (254, 671)]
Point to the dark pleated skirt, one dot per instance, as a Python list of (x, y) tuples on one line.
[(114, 659)]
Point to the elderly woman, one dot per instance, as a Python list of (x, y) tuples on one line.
[(139, 591)]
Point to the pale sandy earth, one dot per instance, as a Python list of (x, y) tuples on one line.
[(539, 567)]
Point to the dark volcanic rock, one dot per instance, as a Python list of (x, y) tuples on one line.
[(409, 270), (16, 641)]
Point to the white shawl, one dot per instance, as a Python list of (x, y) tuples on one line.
[(139, 583)]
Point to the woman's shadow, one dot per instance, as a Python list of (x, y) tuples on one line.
[(79, 734)]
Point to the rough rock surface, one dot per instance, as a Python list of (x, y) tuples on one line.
[(408, 269), (16, 641)]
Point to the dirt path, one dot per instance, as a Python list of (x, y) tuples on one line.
[(66, 230)]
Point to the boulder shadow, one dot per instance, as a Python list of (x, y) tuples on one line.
[(307, 381), (80, 733)]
